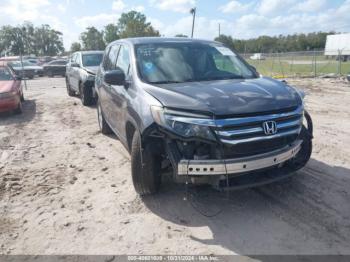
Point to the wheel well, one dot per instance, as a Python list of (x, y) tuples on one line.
[(130, 130)]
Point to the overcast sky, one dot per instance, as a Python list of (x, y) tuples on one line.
[(241, 19)]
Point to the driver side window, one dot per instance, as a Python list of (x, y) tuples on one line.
[(111, 58), (224, 63), (123, 61)]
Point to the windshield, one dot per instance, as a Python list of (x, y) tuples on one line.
[(5, 74), (92, 59), (186, 62)]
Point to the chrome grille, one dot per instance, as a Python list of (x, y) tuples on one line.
[(250, 129)]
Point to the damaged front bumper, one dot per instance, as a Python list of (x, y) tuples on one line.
[(238, 165)]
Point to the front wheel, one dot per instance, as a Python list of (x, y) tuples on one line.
[(19, 109), (69, 89), (145, 168), (303, 156), (85, 95)]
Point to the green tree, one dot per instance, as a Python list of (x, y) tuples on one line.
[(111, 33), (92, 39), (75, 46), (26, 39), (48, 41), (226, 40), (134, 24), (280, 43), (14, 40)]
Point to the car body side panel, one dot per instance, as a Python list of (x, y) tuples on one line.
[(10, 103)]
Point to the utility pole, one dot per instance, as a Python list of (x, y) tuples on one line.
[(193, 12), (219, 30)]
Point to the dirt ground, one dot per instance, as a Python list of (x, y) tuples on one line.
[(66, 189)]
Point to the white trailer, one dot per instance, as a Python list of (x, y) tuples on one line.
[(338, 45)]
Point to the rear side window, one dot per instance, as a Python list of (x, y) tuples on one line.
[(111, 58), (124, 59), (72, 59), (78, 59)]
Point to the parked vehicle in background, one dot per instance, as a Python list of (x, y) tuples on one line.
[(25, 71), (38, 70), (198, 108), (348, 77), (45, 59), (55, 67), (11, 92), (80, 75), (258, 56)]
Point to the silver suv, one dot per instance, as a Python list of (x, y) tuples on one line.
[(80, 75), (197, 108)]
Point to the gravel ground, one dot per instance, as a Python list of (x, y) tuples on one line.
[(66, 189)]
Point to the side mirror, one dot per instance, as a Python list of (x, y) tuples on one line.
[(74, 65), (115, 77)]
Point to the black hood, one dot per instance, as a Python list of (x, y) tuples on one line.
[(228, 97)]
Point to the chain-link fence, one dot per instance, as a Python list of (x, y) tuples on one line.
[(300, 64)]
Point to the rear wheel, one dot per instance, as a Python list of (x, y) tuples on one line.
[(104, 127), (85, 95), (145, 168)]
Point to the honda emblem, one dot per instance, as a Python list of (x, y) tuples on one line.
[(270, 127)]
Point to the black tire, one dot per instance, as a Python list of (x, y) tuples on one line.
[(70, 92), (85, 95), (303, 156), (145, 168), (19, 109), (104, 127)]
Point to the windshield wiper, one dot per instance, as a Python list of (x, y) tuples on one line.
[(170, 82), (221, 78)]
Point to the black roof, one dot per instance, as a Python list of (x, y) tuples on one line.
[(150, 40)]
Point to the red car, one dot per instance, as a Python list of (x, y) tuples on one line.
[(11, 92)]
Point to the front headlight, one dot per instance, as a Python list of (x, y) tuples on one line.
[(183, 123)]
